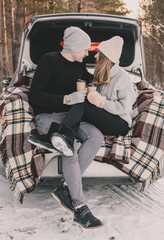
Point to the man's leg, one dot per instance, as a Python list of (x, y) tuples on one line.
[(43, 121), (58, 130), (75, 166), (47, 125), (91, 139)]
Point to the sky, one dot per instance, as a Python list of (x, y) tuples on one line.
[(134, 6)]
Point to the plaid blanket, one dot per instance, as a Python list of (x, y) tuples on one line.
[(139, 153), (23, 164)]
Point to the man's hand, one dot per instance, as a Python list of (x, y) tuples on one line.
[(75, 97)]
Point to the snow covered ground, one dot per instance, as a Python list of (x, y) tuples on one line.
[(126, 213)]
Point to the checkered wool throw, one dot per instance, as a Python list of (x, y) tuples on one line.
[(23, 164), (139, 153)]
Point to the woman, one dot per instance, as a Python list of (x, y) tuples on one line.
[(115, 95)]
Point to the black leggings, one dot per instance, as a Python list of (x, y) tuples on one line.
[(107, 123)]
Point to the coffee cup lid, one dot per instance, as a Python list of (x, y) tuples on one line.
[(92, 85), (80, 80)]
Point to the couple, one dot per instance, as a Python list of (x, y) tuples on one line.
[(64, 115)]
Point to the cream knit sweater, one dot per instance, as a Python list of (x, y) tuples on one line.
[(119, 93)]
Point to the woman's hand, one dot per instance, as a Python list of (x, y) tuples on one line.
[(96, 99)]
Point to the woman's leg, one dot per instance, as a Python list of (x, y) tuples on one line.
[(74, 116), (63, 139), (107, 123)]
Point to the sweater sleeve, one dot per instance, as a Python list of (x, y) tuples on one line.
[(38, 95), (126, 98)]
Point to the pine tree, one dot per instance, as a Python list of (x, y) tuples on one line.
[(116, 7), (14, 14), (5, 58), (153, 19)]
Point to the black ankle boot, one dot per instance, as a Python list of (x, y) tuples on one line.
[(62, 195), (85, 218), (54, 127), (43, 140), (63, 140)]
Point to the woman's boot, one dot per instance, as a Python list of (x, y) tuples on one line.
[(63, 140)]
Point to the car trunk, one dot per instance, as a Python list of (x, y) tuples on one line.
[(46, 36)]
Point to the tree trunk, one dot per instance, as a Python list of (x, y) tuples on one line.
[(19, 24), (34, 7), (52, 7), (25, 11), (0, 43), (11, 32), (79, 6), (4, 41)]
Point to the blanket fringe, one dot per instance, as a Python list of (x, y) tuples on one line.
[(155, 175), (13, 186), (18, 194), (161, 164), (8, 170), (146, 183)]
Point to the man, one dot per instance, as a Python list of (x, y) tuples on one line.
[(52, 94)]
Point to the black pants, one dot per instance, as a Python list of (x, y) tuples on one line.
[(107, 123)]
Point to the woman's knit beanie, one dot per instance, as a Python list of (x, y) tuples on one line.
[(112, 48)]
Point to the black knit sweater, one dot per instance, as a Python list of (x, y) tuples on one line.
[(55, 77)]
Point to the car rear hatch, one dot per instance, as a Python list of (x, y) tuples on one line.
[(44, 34)]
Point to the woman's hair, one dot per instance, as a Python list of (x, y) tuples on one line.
[(102, 70)]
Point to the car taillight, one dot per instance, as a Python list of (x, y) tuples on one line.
[(93, 46), (140, 24), (27, 22), (62, 44)]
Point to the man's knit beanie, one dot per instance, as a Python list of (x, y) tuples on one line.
[(75, 40), (112, 48)]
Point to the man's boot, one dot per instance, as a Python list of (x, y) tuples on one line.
[(62, 195), (85, 218)]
